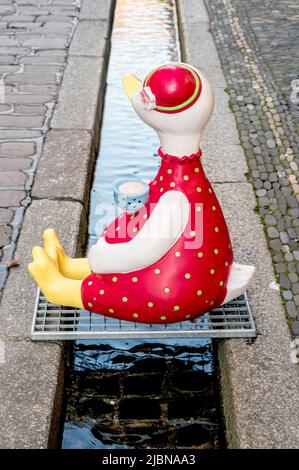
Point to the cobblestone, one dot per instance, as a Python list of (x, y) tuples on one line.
[(34, 40), (259, 68)]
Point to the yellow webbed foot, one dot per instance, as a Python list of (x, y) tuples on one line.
[(56, 288), (72, 268), (52, 244)]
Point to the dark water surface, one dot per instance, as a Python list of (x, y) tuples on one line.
[(130, 394)]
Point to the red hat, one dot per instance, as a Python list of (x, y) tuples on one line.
[(176, 87)]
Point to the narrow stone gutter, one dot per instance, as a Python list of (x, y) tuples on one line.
[(32, 375), (259, 382)]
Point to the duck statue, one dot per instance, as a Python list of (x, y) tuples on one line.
[(172, 259)]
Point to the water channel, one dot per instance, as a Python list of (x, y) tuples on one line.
[(138, 394)]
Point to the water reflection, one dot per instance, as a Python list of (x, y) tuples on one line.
[(124, 393)]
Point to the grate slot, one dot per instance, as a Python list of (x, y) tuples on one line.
[(55, 322)]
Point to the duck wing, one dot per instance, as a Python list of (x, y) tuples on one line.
[(239, 278)]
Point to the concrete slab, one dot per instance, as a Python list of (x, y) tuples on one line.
[(198, 45), (91, 10), (224, 163), (81, 91), (193, 11), (259, 382), (16, 309), (89, 39), (31, 390), (66, 154), (221, 128)]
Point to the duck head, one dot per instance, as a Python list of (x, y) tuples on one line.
[(176, 100)]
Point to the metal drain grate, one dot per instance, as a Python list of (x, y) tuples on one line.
[(55, 322)]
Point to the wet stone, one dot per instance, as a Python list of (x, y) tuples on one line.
[(273, 232), (284, 237), (289, 257), (6, 216), (270, 220), (261, 192), (295, 327), (291, 309), (284, 282), (287, 295), (5, 235), (143, 385), (275, 244), (139, 408), (296, 288)]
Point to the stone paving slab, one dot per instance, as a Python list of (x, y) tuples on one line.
[(89, 39), (78, 102), (91, 10), (224, 164), (18, 300), (30, 394), (66, 154)]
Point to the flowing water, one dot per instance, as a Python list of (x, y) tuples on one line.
[(130, 394)]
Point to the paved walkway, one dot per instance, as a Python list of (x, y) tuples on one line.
[(258, 47), (34, 38)]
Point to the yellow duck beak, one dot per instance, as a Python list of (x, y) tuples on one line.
[(131, 85)]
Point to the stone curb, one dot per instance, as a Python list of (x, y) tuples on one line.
[(31, 374), (259, 382)]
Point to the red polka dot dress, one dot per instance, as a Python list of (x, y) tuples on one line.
[(191, 277)]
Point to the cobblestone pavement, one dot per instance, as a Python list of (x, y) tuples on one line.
[(34, 38), (258, 47)]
